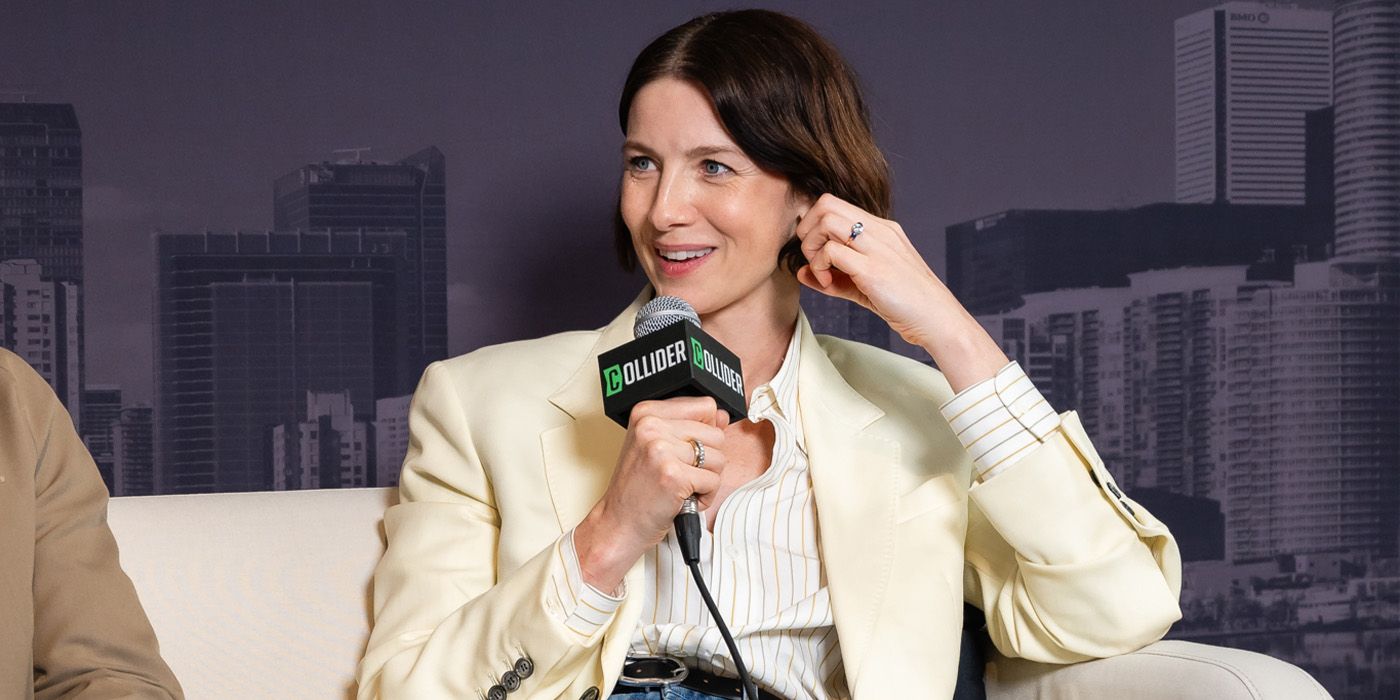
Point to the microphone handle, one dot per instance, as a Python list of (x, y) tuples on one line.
[(688, 531)]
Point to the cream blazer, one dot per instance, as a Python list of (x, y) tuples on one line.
[(509, 449)]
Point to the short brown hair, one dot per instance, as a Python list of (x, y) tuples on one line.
[(786, 97)]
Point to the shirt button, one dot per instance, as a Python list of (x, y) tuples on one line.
[(496, 693), (524, 667), (590, 694), (510, 681)]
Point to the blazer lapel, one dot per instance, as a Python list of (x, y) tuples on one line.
[(580, 455), (854, 480)]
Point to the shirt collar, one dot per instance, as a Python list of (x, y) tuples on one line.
[(779, 395)]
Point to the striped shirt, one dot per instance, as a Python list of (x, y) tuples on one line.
[(762, 562)]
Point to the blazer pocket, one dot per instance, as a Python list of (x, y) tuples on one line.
[(936, 492)]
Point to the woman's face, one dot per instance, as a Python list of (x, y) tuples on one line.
[(706, 222)]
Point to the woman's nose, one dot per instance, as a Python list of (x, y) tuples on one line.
[(672, 206)]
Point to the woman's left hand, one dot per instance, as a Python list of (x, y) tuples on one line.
[(879, 270)]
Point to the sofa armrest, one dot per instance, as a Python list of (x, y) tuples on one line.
[(1165, 670)]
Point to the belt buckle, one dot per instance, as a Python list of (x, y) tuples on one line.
[(666, 672)]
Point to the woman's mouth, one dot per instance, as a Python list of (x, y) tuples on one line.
[(679, 262)]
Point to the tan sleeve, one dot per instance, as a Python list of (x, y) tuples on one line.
[(1064, 565), (92, 640)]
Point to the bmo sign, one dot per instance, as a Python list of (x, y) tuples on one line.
[(1260, 17)]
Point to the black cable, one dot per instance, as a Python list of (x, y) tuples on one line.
[(688, 536)]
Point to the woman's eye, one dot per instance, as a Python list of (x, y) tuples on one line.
[(639, 163), (715, 168)]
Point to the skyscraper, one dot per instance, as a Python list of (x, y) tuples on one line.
[(247, 324), (409, 196), (330, 449), (1366, 36), (133, 456), (1246, 73), (102, 405), (994, 260), (38, 323), (41, 219)]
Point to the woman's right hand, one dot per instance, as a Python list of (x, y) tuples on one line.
[(655, 473)]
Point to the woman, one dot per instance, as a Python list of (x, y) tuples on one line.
[(847, 517)]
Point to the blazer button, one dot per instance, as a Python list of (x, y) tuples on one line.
[(590, 694), (496, 693), (510, 681), (524, 667)]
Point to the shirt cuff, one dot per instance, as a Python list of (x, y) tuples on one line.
[(1000, 419), (584, 609)]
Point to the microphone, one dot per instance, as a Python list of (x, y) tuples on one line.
[(670, 356)]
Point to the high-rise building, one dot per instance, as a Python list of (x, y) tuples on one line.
[(1366, 45), (995, 260), (133, 452), (247, 324), (1278, 399), (1313, 414), (409, 196), (330, 449), (38, 323), (102, 404), (1246, 73), (390, 438), (41, 218)]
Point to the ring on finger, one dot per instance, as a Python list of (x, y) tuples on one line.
[(699, 448), (856, 229)]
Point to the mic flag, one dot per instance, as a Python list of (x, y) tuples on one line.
[(678, 359)]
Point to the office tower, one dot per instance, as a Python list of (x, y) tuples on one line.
[(995, 260), (133, 452), (41, 218), (843, 319), (1319, 174), (247, 324), (1279, 399), (102, 404), (37, 322), (410, 196), (330, 449), (1246, 73), (390, 438), (1313, 412), (1366, 40), (1070, 344)]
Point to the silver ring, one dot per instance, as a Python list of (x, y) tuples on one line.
[(699, 452), (856, 230)]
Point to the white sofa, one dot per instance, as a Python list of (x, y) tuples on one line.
[(266, 595)]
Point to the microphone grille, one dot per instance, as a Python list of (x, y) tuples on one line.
[(661, 312)]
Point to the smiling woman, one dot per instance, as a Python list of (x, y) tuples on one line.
[(849, 515)]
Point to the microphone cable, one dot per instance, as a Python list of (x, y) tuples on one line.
[(688, 536)]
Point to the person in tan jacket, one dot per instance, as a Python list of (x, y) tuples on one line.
[(70, 622)]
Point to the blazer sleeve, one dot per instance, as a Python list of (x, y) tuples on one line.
[(1064, 565), (447, 623), (92, 640)]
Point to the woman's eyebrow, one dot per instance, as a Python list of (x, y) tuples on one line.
[(696, 152)]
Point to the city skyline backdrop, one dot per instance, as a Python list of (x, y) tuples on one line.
[(190, 114)]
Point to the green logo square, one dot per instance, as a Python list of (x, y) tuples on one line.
[(612, 380)]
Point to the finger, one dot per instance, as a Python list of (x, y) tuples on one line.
[(845, 258), (721, 418), (703, 483), (686, 430), (697, 408)]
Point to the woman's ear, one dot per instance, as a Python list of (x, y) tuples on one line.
[(802, 203)]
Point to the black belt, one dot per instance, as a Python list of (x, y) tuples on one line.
[(641, 674)]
